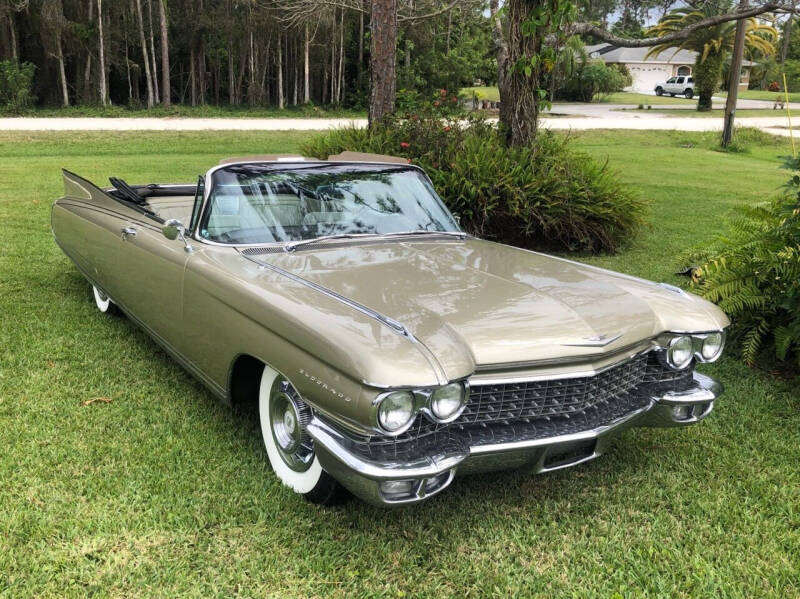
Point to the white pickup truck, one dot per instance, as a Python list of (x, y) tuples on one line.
[(682, 85)]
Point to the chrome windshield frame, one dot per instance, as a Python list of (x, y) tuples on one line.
[(289, 164)]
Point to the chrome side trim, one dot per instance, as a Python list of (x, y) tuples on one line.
[(390, 322), (396, 326)]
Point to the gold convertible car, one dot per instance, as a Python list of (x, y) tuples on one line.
[(385, 349)]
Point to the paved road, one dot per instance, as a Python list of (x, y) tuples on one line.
[(171, 124), (575, 116)]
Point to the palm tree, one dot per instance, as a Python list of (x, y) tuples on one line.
[(712, 44)]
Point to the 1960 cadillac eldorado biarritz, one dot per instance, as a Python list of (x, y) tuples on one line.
[(386, 350)]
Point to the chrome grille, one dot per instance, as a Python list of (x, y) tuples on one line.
[(537, 409), (549, 398)]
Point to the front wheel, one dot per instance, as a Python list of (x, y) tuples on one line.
[(284, 417), (659, 91), (689, 94)]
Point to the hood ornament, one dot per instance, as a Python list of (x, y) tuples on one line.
[(594, 341)]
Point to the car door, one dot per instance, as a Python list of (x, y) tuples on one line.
[(669, 86), (151, 289), (679, 85)]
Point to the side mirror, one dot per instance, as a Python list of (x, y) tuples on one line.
[(174, 229)]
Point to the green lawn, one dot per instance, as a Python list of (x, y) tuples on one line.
[(645, 99), (205, 111), (740, 112), (490, 93), (493, 94), (757, 94), (164, 492)]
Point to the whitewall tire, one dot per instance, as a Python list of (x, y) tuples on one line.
[(283, 416), (103, 302)]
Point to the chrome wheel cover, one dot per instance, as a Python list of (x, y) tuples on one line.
[(288, 417)]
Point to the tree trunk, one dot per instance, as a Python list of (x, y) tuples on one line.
[(156, 94), (231, 77), (360, 47), (706, 79), (383, 72), (102, 55), (192, 82), (12, 34), (787, 32), (251, 64), (166, 93), (145, 58), (449, 29), (281, 102), (202, 86), (63, 74), (306, 70), (295, 74), (128, 70), (501, 54), (520, 117), (735, 76), (340, 86)]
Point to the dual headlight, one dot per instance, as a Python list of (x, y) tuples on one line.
[(679, 350), (398, 409)]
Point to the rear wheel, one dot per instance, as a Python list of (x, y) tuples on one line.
[(284, 417), (659, 91), (689, 94), (103, 302)]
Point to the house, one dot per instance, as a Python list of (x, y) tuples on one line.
[(647, 72)]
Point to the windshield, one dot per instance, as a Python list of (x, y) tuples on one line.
[(269, 203)]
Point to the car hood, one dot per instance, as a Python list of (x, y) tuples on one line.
[(478, 304)]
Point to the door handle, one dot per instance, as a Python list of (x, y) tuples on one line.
[(128, 231)]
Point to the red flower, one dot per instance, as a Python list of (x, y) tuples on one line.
[(443, 92), (404, 144), (437, 103), (446, 128), (409, 160), (452, 165), (454, 99), (435, 165)]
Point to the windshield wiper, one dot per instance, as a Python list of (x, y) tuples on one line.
[(459, 234), (292, 245)]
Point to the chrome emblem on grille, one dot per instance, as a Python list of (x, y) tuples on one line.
[(594, 341)]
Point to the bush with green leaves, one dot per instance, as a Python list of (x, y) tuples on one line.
[(545, 196), (593, 79), (753, 273), (16, 85)]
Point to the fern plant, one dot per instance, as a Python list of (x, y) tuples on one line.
[(754, 275)]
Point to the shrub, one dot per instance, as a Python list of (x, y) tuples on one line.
[(594, 79), (16, 85), (544, 196), (773, 86), (754, 275)]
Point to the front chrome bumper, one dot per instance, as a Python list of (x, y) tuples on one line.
[(404, 482)]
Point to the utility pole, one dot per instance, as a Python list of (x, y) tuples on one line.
[(734, 78)]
